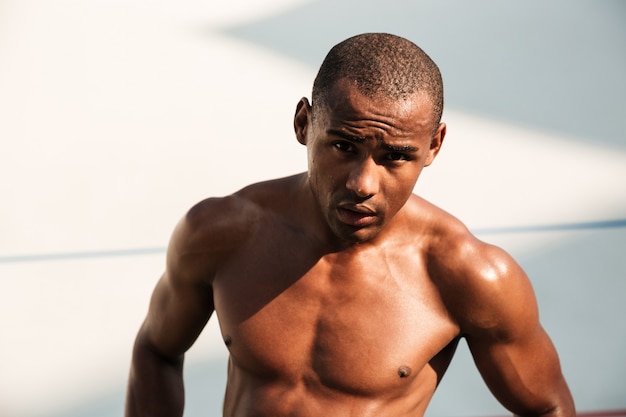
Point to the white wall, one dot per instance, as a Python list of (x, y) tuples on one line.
[(116, 116)]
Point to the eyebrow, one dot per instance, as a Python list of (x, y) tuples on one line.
[(361, 139)]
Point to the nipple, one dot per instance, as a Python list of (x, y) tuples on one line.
[(228, 341), (404, 371)]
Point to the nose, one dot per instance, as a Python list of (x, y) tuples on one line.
[(363, 178)]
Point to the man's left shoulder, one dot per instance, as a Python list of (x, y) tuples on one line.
[(439, 233), (480, 283), (450, 245)]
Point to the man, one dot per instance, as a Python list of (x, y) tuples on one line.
[(338, 291)]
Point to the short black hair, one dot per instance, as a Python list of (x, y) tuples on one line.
[(381, 65)]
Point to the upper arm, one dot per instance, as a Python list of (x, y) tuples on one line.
[(182, 301), (523, 373), (512, 352), (177, 314)]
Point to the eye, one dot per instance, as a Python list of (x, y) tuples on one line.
[(343, 146), (397, 156)]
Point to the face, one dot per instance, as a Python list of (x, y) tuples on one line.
[(364, 157)]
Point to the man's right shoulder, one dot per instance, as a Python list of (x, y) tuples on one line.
[(222, 221), (216, 227), (209, 233)]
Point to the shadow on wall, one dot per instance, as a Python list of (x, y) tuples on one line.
[(556, 66)]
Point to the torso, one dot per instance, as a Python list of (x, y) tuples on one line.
[(363, 331)]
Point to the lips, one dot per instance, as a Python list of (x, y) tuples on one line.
[(356, 215)]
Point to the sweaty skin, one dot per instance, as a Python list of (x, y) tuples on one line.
[(338, 291)]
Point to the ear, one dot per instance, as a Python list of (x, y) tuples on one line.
[(435, 144), (301, 120)]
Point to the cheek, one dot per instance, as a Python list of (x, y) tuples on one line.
[(324, 171), (401, 188), (322, 182)]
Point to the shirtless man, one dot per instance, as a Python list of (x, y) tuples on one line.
[(338, 291)]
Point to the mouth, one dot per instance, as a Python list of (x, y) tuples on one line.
[(356, 215)]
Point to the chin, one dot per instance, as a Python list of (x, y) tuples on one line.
[(360, 235)]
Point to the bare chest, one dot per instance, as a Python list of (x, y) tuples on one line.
[(360, 323)]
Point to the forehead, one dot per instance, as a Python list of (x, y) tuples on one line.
[(406, 116)]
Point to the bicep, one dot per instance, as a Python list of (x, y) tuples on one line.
[(177, 314), (182, 301), (512, 351), (523, 373)]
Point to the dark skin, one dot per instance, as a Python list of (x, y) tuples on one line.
[(338, 291)]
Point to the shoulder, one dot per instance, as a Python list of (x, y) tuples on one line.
[(482, 286), (214, 228)]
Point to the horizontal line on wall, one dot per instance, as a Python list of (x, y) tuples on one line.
[(603, 224), (64, 256)]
